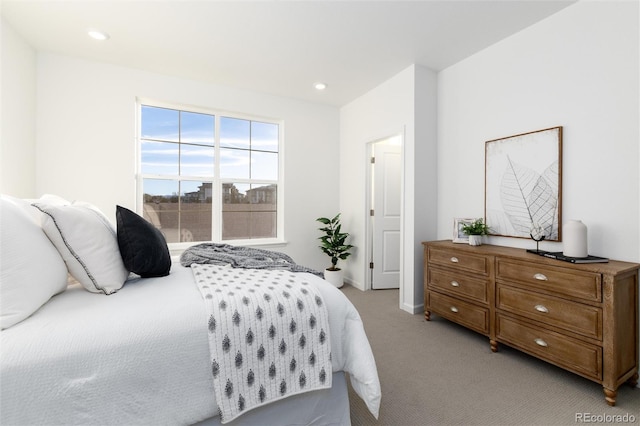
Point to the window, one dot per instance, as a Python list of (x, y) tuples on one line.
[(207, 176)]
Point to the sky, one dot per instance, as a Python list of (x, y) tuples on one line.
[(182, 142)]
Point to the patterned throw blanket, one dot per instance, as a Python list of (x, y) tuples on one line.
[(268, 336), (241, 257)]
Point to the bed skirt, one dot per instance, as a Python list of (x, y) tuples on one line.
[(322, 407)]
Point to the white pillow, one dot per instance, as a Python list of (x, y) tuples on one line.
[(33, 212), (31, 269), (88, 244), (53, 199)]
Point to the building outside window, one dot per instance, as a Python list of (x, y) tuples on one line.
[(206, 176)]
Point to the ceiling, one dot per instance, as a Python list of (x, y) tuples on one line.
[(276, 47)]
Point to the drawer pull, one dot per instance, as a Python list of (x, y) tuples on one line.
[(454, 259), (540, 277), (455, 284), (540, 342), (542, 308), (454, 309)]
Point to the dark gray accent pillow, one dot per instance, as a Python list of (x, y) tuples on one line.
[(142, 246)]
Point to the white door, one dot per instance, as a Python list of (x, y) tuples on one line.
[(387, 169)]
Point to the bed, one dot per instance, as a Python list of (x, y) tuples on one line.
[(141, 354)]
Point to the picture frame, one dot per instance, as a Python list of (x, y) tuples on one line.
[(523, 184), (458, 235)]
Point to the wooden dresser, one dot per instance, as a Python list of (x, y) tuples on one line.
[(583, 318)]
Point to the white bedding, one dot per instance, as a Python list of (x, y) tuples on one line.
[(140, 356)]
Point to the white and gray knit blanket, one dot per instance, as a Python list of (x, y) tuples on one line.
[(241, 257), (268, 336)]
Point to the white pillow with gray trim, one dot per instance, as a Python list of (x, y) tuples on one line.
[(88, 243)]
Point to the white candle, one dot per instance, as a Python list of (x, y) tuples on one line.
[(575, 239)]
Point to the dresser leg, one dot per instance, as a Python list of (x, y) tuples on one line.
[(494, 345), (610, 396), (427, 315), (633, 381)]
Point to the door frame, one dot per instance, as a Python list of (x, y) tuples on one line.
[(368, 205)]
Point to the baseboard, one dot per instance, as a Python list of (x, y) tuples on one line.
[(353, 283), (413, 309)]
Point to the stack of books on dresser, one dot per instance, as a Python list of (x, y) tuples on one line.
[(559, 256)]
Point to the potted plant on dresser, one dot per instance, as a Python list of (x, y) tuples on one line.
[(333, 244), (475, 230)]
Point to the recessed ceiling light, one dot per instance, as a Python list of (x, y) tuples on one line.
[(320, 86), (98, 35)]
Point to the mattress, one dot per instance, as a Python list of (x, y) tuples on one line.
[(140, 356)]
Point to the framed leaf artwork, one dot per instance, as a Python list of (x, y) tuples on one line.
[(523, 184)]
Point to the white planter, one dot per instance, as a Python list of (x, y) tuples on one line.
[(334, 277), (475, 240)]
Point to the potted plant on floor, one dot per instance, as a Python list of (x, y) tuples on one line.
[(475, 230), (333, 244)]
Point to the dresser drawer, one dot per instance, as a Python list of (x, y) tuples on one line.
[(572, 316), (458, 284), (560, 281), (463, 313), (566, 352), (463, 261)]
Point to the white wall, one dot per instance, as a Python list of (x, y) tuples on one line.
[(425, 165), (578, 69), (403, 104), (86, 140), (18, 112)]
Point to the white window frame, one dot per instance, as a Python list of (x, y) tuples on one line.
[(217, 181)]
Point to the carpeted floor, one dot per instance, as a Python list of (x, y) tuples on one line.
[(438, 373)]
